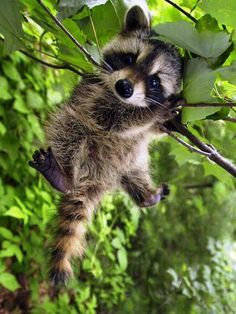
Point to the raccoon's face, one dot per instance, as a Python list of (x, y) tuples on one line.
[(141, 70)]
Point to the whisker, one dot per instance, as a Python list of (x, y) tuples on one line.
[(109, 68), (154, 102)]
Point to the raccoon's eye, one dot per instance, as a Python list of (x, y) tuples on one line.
[(154, 81), (129, 58)]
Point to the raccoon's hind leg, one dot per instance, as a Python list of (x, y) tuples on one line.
[(138, 186), (46, 163), (69, 242)]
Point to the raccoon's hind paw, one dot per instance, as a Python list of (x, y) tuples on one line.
[(41, 160), (160, 195), (46, 164)]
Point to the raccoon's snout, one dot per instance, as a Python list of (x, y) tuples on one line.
[(124, 88)]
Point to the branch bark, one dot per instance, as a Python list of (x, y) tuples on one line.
[(230, 119), (227, 104)]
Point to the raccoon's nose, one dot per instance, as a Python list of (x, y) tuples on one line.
[(124, 88)]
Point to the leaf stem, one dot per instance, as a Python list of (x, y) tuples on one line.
[(94, 32), (182, 10), (64, 66)]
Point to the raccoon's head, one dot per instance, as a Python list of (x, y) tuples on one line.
[(140, 69)]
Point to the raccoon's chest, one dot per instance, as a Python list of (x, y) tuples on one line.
[(118, 154)]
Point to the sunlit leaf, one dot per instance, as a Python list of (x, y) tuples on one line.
[(9, 281), (223, 11)]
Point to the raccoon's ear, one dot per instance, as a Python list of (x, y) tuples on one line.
[(136, 18)]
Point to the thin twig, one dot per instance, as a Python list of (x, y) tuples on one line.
[(227, 104), (182, 10), (214, 154), (194, 7), (203, 185), (116, 12), (230, 119), (60, 59), (64, 66), (94, 32), (190, 147), (73, 39)]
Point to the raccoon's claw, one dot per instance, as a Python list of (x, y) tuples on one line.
[(175, 101), (160, 195)]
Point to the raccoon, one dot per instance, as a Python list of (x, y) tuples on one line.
[(99, 139)]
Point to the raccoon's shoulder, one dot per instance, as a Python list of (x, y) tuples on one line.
[(86, 91), (75, 115)]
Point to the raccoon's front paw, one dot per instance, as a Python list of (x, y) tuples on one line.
[(170, 111), (173, 102), (160, 195), (42, 160)]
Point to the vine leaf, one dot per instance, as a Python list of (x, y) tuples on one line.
[(10, 26), (228, 73), (223, 11), (68, 8), (206, 44), (198, 83)]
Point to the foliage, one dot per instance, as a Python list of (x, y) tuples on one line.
[(178, 257)]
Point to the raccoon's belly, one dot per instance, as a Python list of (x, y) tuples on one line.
[(105, 159)]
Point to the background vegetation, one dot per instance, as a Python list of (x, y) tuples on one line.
[(177, 257)]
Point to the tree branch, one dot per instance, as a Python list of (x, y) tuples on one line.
[(75, 41), (230, 119), (65, 66), (199, 186), (189, 147), (214, 155), (182, 10), (227, 104)]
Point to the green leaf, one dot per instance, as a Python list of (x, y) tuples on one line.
[(198, 84), (4, 87), (207, 23), (12, 250), (206, 44), (122, 258), (116, 243), (6, 233), (68, 8), (9, 281), (10, 71), (19, 104), (3, 129), (211, 168), (10, 25), (228, 73), (17, 213), (223, 11), (183, 155), (35, 126), (34, 100)]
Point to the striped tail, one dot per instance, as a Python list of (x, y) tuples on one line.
[(69, 240)]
